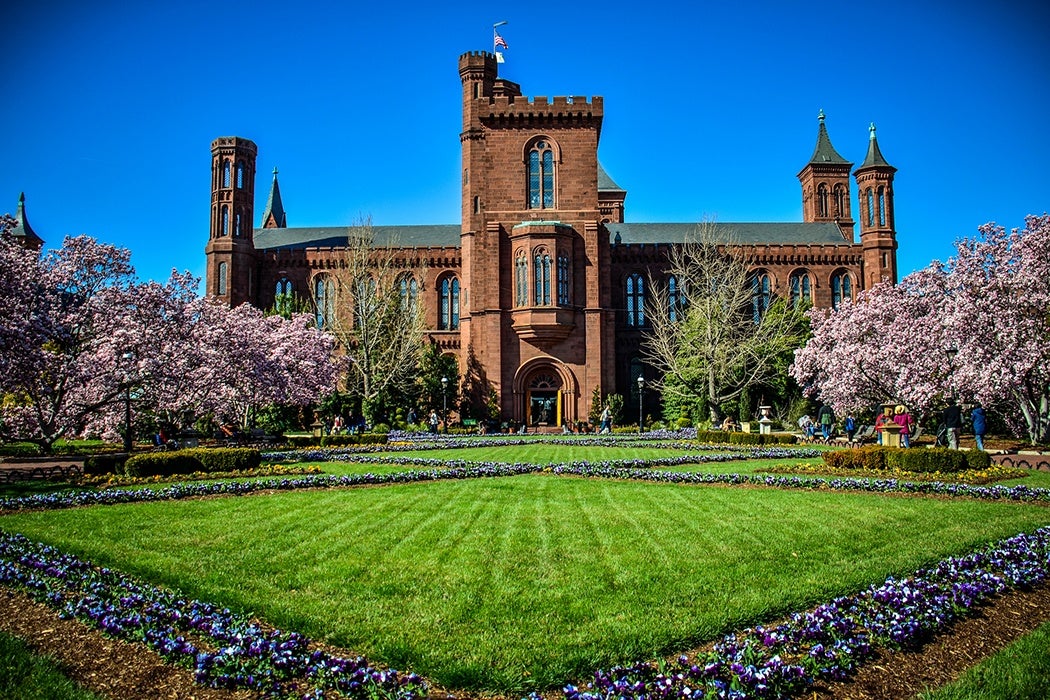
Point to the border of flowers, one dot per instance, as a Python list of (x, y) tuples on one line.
[(225, 650), (826, 642), (832, 639)]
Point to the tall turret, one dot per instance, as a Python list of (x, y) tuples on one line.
[(274, 216), (877, 230), (231, 250), (825, 185), (22, 232)]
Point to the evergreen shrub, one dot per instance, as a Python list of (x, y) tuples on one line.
[(877, 458), (188, 461), (97, 465)]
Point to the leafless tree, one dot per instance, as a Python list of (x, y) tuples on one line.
[(717, 331)]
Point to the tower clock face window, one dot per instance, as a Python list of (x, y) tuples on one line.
[(541, 175)]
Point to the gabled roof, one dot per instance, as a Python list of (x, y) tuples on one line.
[(737, 233), (22, 228), (825, 152), (423, 236), (874, 157)]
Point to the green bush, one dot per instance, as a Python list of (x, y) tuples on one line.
[(302, 441), (723, 437), (221, 459), (97, 465), (345, 440), (938, 459)]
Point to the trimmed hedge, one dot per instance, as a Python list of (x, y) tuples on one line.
[(878, 458), (188, 461), (721, 436), (97, 465), (304, 441)]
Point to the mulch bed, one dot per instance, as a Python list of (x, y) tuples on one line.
[(124, 671)]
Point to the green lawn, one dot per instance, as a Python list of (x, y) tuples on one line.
[(524, 582), (26, 675), (1019, 672)]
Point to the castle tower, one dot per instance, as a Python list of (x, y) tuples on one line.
[(877, 230), (274, 216), (825, 185), (230, 251), (538, 316), (22, 232)]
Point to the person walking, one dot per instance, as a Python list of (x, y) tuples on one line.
[(850, 426), (606, 421), (980, 424), (952, 418)]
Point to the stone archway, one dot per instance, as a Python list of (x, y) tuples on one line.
[(545, 391)]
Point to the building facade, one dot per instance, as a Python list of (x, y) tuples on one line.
[(543, 284)]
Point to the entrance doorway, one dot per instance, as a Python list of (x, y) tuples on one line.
[(543, 401)]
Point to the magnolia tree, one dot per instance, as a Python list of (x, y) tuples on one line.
[(81, 339), (976, 327)]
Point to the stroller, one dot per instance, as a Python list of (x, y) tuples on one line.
[(942, 435)]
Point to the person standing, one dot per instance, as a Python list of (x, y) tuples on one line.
[(606, 421), (434, 422), (826, 418), (902, 418), (850, 426), (980, 424), (952, 419)]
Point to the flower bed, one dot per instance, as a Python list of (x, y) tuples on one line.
[(224, 649), (830, 640)]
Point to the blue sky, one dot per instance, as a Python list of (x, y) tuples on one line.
[(710, 108)]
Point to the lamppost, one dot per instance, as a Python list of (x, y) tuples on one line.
[(128, 358), (444, 402), (641, 388)]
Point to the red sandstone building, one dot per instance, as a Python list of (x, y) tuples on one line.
[(544, 282)]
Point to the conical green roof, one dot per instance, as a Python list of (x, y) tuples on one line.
[(874, 156), (274, 206), (825, 152)]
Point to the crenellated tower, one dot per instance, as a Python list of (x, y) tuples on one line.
[(878, 233), (230, 251), (825, 185)]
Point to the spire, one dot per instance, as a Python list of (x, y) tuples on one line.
[(825, 152), (22, 230), (874, 156), (273, 215)]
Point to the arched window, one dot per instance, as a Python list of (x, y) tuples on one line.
[(541, 268), (521, 279), (801, 289), (564, 298), (635, 300), (822, 200), (225, 172), (871, 207), (676, 300), (223, 272), (448, 317), (284, 287), (240, 175), (408, 287), (882, 206), (224, 216), (324, 302), (760, 289), (840, 202), (237, 225), (541, 175), (841, 288)]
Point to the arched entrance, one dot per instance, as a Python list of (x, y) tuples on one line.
[(545, 392)]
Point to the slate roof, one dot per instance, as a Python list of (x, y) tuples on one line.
[(274, 205), (825, 152), (739, 233), (605, 183), (430, 235), (22, 229), (874, 156)]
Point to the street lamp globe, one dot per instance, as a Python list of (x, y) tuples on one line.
[(641, 388)]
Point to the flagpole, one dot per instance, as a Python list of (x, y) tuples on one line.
[(496, 40)]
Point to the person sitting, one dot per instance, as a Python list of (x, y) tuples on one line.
[(729, 424)]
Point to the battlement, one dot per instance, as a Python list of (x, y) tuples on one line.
[(509, 106), (232, 143)]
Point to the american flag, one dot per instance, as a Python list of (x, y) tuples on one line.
[(497, 40)]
